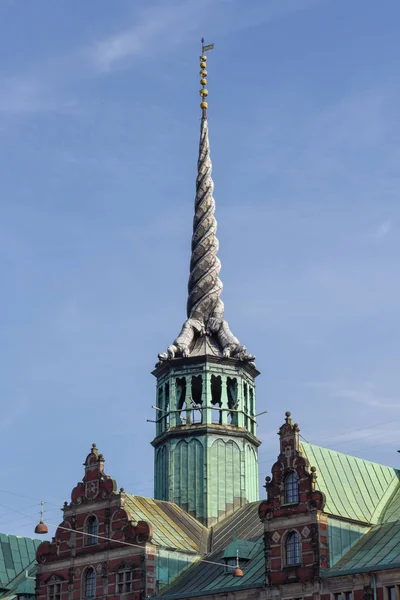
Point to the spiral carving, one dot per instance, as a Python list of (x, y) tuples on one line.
[(205, 309), (204, 287)]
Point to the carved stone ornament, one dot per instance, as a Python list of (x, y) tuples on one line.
[(276, 537), (205, 309), (91, 489), (305, 532)]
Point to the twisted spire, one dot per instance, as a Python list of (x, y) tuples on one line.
[(205, 309), (204, 287)]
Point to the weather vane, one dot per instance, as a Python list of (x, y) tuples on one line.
[(203, 75)]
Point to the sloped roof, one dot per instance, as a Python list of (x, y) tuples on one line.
[(172, 526), (355, 489), (16, 556), (208, 578), (27, 586), (376, 550), (392, 509)]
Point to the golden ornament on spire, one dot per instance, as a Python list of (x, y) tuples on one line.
[(203, 74)]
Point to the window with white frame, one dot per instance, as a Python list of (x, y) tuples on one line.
[(291, 489), (54, 591), (124, 582), (89, 587), (293, 549), (92, 531), (390, 592)]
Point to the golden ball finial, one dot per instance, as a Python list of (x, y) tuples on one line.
[(203, 65), (203, 81), (203, 57), (203, 92), (204, 104)]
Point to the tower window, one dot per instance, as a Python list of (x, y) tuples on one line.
[(180, 398), (166, 407), (252, 412), (92, 531), (246, 406), (232, 393), (291, 489), (293, 549), (216, 391), (90, 583), (197, 387)]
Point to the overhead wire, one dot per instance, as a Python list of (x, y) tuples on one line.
[(121, 542), (344, 432), (348, 431)]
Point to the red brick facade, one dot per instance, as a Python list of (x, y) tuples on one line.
[(97, 551), (299, 516)]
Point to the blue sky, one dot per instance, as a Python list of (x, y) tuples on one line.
[(99, 126)]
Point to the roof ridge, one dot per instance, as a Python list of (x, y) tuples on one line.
[(358, 458), (355, 488), (381, 519), (155, 500)]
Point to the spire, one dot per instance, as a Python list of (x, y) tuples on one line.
[(205, 330), (204, 289)]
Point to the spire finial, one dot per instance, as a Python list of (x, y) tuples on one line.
[(203, 75)]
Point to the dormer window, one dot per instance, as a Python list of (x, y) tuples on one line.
[(241, 550), (230, 565), (293, 549), (291, 489), (92, 531)]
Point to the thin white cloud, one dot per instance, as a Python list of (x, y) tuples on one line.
[(164, 26), (157, 29), (362, 394), (383, 230)]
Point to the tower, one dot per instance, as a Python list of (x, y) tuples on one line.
[(206, 445)]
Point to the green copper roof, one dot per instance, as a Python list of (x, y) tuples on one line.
[(392, 510), (376, 550), (172, 527), (343, 535), (355, 489), (244, 547), (16, 555), (27, 586), (204, 578)]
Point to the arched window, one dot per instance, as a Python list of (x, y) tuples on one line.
[(92, 530), (90, 583), (293, 549), (291, 489)]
